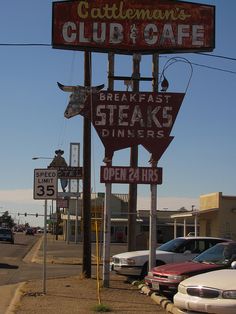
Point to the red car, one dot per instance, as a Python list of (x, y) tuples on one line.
[(166, 278)]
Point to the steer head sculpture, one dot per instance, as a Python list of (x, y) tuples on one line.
[(78, 97)]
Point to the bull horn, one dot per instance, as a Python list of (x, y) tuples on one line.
[(66, 88), (98, 87)]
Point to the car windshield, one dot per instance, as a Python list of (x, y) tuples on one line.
[(219, 254), (5, 231), (172, 245)]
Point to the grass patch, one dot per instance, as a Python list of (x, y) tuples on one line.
[(101, 308)]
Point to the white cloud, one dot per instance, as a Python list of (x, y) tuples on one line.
[(23, 199), (18, 199)]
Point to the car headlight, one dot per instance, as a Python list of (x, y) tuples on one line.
[(177, 278), (127, 261), (182, 289), (229, 294)]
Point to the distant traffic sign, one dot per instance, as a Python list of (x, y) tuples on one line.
[(45, 184), (70, 172)]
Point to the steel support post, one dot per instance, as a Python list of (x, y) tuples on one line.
[(87, 178), (132, 211), (107, 209), (153, 211), (153, 227), (107, 237), (45, 248)]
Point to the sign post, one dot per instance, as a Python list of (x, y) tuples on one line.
[(45, 248), (107, 207), (153, 210), (45, 187)]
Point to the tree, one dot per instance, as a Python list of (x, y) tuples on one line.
[(6, 220)]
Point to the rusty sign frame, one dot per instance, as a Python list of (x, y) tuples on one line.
[(133, 26)]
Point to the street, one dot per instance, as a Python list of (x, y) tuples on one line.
[(13, 269)]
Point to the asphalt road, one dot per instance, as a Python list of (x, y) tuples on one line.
[(13, 269)]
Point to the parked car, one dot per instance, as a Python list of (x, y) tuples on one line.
[(213, 292), (167, 277), (29, 231), (6, 234), (177, 250)]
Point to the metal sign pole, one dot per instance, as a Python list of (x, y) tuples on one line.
[(76, 219), (68, 226), (86, 211), (107, 213), (132, 217), (45, 248), (107, 237), (153, 211), (153, 227)]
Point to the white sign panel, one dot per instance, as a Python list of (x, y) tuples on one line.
[(45, 184)]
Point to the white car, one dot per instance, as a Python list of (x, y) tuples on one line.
[(177, 250), (213, 292)]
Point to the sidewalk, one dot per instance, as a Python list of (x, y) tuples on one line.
[(77, 294)]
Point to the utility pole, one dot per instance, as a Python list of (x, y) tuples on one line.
[(87, 177), (132, 211)]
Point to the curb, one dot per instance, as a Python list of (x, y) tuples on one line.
[(165, 303), (32, 254), (16, 299)]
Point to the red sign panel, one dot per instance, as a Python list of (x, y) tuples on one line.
[(141, 175), (129, 26), (125, 119), (62, 203)]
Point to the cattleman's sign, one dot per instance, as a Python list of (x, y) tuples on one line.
[(129, 26)]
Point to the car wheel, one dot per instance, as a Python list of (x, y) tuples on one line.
[(144, 270)]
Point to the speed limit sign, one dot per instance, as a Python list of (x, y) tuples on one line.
[(45, 184)]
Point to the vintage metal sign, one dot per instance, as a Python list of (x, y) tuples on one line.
[(140, 175), (70, 172), (129, 26), (125, 119), (62, 202)]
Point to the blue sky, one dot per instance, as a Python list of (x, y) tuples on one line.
[(200, 159)]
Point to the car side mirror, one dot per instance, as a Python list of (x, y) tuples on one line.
[(233, 265)]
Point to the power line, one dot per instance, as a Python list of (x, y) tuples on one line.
[(213, 68), (24, 45), (216, 56), (196, 64), (49, 45)]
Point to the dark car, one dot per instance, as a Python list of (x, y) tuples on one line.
[(6, 234), (30, 231), (168, 277)]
